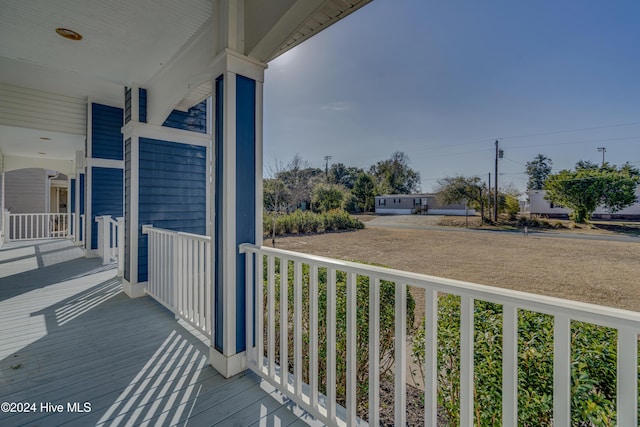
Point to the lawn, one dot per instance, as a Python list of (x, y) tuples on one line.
[(598, 272)]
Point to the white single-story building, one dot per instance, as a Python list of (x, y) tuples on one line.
[(427, 204), (540, 206)]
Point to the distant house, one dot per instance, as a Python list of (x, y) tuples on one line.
[(538, 205), (427, 204)]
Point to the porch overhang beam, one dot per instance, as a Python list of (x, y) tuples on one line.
[(185, 71)]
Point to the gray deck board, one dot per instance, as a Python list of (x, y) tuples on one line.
[(68, 334)]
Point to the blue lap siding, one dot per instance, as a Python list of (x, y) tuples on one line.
[(107, 192), (173, 186), (194, 120), (106, 138)]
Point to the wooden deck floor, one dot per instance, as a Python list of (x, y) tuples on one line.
[(70, 337)]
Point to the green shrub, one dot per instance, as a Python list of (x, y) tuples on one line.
[(593, 366), (386, 337), (304, 222)]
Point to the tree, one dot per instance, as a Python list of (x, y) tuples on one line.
[(538, 170), (590, 186), (300, 178), (364, 189), (326, 197), (394, 176), (343, 175), (276, 200), (458, 189)]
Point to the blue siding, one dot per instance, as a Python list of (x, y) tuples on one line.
[(127, 105), (127, 209), (106, 137), (246, 191), (106, 197), (195, 120), (173, 191), (219, 163), (142, 107)]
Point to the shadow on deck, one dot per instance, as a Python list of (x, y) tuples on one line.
[(70, 337)]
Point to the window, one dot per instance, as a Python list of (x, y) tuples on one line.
[(382, 202)]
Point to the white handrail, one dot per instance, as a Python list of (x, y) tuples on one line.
[(260, 358), (32, 226), (179, 266)]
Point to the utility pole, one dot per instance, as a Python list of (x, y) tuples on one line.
[(489, 215), (326, 166), (499, 155), (602, 150)]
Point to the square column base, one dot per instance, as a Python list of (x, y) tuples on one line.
[(227, 366), (133, 290)]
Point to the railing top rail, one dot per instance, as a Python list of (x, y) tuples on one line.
[(606, 316), (146, 229)]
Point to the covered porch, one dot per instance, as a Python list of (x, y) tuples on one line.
[(70, 336), (160, 135)]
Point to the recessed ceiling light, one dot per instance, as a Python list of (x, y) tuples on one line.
[(40, 152), (44, 138), (68, 34)]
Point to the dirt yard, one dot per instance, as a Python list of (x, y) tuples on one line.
[(594, 271)]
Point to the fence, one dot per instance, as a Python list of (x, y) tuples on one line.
[(286, 356), (31, 226), (180, 275)]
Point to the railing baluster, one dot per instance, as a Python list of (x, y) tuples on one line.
[(313, 336), (431, 358), (202, 284), (271, 315), (351, 349), (374, 351), (260, 310), (209, 291), (331, 345), (250, 289), (627, 392), (509, 365), (561, 370), (284, 323), (297, 324), (400, 355), (466, 361)]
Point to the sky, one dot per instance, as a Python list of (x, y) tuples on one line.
[(442, 80)]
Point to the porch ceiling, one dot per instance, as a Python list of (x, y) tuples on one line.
[(132, 41)]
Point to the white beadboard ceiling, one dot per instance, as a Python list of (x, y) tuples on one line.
[(123, 41)]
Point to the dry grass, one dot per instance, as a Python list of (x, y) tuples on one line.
[(598, 272)]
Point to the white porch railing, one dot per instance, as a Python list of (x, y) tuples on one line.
[(268, 350), (180, 275), (111, 240), (31, 226)]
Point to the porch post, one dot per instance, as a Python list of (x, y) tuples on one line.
[(236, 197)]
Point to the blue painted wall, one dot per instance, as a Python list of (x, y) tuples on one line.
[(142, 107), (195, 120), (107, 189), (246, 190), (106, 138), (127, 105), (173, 191), (127, 209)]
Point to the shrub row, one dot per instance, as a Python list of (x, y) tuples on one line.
[(302, 222), (593, 367)]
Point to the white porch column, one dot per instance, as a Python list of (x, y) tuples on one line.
[(236, 197)]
